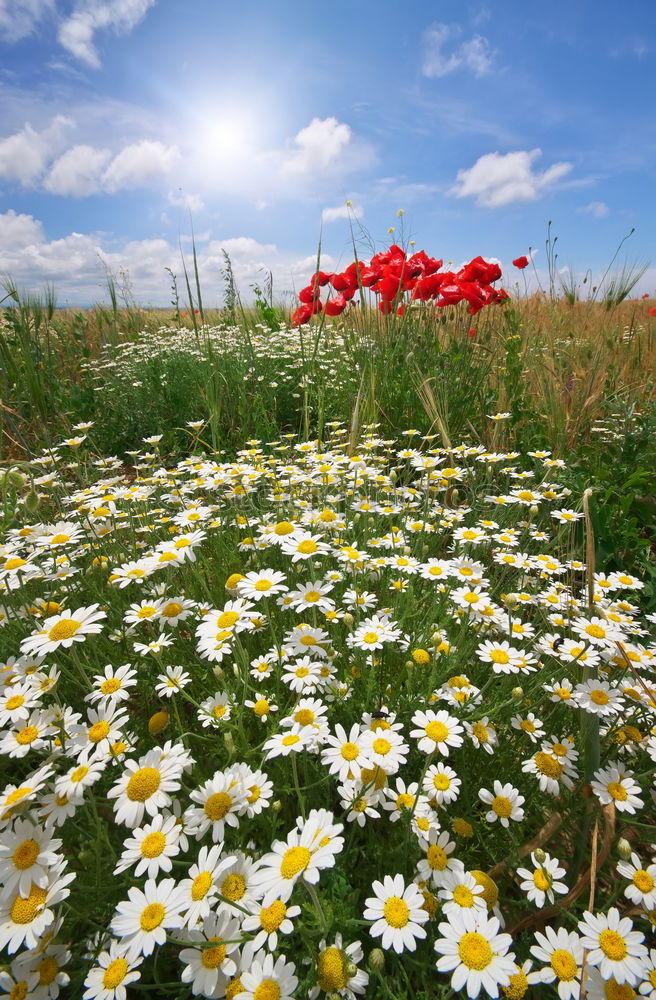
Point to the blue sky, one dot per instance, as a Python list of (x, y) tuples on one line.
[(482, 122)]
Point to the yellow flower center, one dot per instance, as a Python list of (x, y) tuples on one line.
[(548, 765), (307, 547), (110, 685), (25, 908), (517, 986), (490, 892), (349, 751), (294, 860), (219, 711), (234, 988), (14, 563), (98, 731), (201, 886), (267, 990), (304, 717), (272, 916), (613, 946), (263, 585), (599, 697), (14, 702), (283, 528), (617, 791), (596, 631), (27, 735), (643, 881), (396, 912), (382, 746), (474, 951), (261, 707), (311, 596), (437, 858), (436, 731), (143, 784), (218, 805), (405, 801), (227, 619), (463, 896), (502, 806), (614, 991), (115, 973), (370, 637), (213, 957), (26, 854), (290, 740), (64, 629), (441, 782), (541, 880), (480, 732), (331, 970), (499, 656), (153, 844), (47, 970), (254, 793), (152, 916), (234, 887), (79, 773)]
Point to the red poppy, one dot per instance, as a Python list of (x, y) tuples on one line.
[(335, 306), (521, 262), (472, 332), (652, 311)]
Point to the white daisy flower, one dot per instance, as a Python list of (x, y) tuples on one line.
[(613, 946), (397, 913), (541, 883), (475, 953), (141, 921)]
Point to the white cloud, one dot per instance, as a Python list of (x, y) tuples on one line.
[(341, 212), (19, 231), (19, 18), (474, 54), (598, 209), (24, 155), (76, 33), (76, 264), (191, 202), (138, 164), (498, 179), (78, 171), (319, 146)]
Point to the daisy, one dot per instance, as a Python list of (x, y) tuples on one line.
[(27, 852), (397, 913), (532, 726), (337, 970), (220, 803), (25, 917), (73, 782), (269, 978), (34, 735), (267, 583), (311, 595), (113, 684), (235, 881), (540, 884), (563, 952), (200, 888), (506, 804), (388, 751), (345, 756), (611, 785), (145, 610), (299, 858), (258, 788), (459, 890), (151, 847), (401, 799), (216, 709), (598, 698), (111, 974), (268, 922), (62, 630), (597, 631), (209, 969), (359, 801), (642, 882), (372, 633), (613, 946), (550, 771), (438, 860), (144, 786), (294, 740), (436, 732), (501, 655), (16, 701), (303, 675), (442, 784), (141, 921), (171, 681), (473, 950), (482, 734), (261, 707), (303, 545)]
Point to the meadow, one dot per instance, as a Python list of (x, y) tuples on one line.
[(328, 660)]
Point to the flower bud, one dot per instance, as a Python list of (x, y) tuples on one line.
[(218, 672), (14, 479), (393, 476), (534, 509), (228, 742), (276, 806), (517, 693), (31, 502), (377, 960), (539, 856), (348, 619), (158, 722), (350, 969), (624, 849)]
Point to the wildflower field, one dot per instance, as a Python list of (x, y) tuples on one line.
[(327, 644)]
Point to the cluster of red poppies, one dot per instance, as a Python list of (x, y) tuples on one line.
[(396, 278)]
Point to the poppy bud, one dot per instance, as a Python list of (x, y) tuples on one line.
[(32, 502), (624, 849)]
